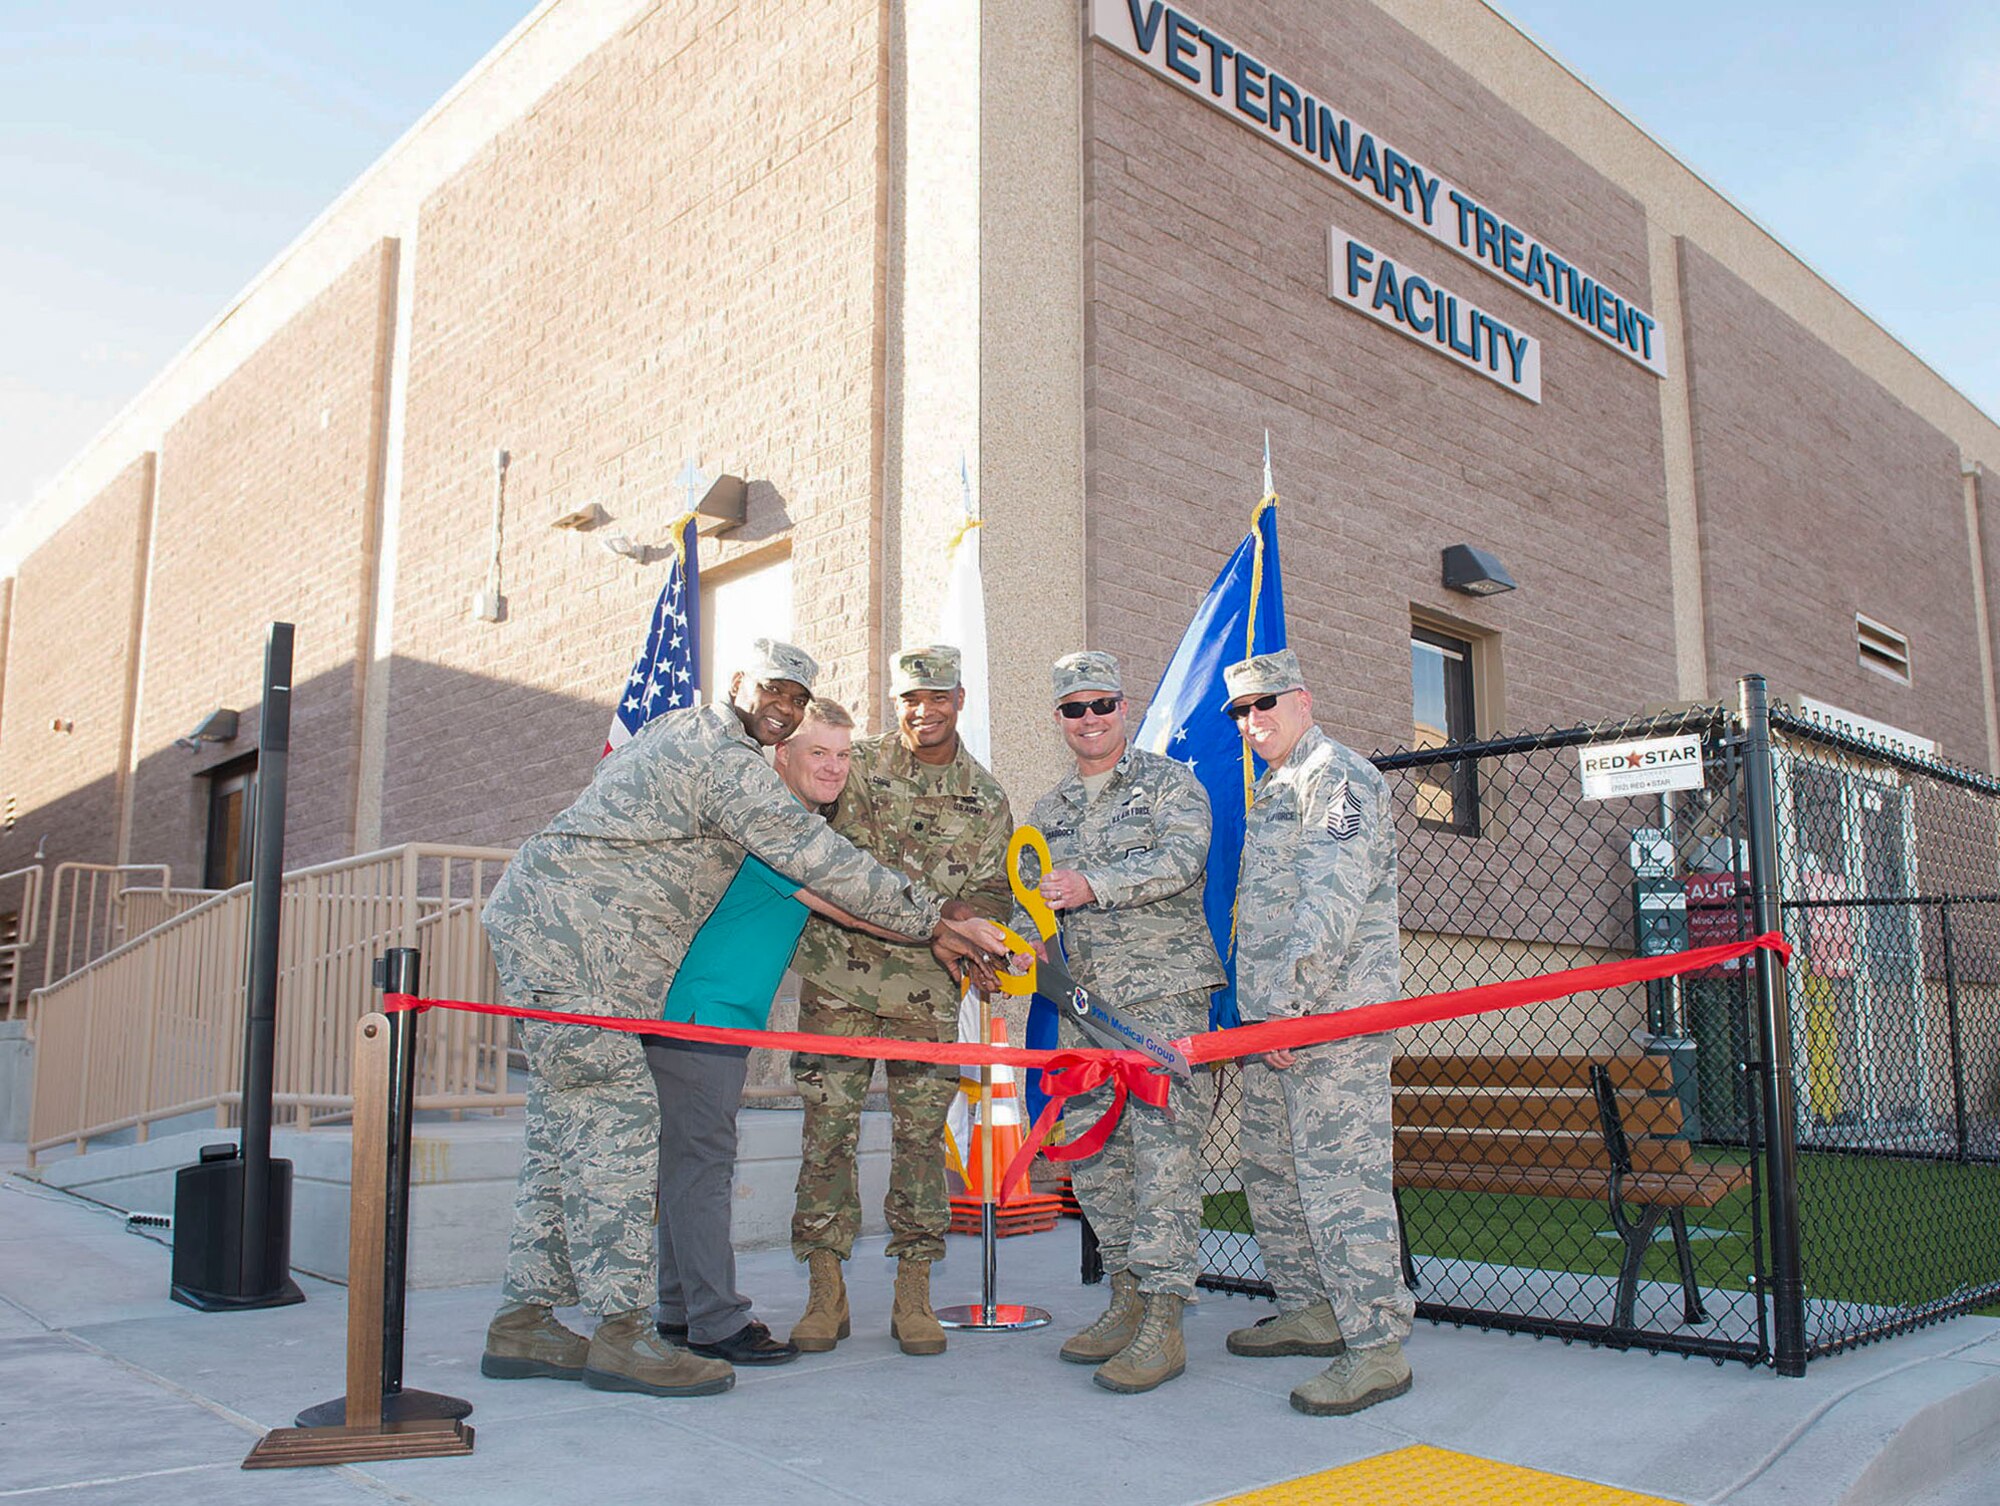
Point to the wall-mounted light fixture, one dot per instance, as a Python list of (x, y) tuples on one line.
[(219, 726), (1475, 572), (722, 506), (62, 724), (582, 519)]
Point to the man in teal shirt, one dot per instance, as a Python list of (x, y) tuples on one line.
[(728, 978)]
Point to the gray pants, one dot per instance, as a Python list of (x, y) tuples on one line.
[(700, 1088), (1142, 1192), (1318, 1170)]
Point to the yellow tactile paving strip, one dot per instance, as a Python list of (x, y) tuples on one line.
[(1426, 1476)]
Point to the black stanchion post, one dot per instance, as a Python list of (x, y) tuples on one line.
[(397, 972), (1788, 1301)]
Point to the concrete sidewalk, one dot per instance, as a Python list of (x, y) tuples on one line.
[(111, 1393)]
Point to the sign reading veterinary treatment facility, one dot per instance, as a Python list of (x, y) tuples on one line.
[(1176, 47)]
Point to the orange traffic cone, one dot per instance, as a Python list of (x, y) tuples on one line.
[(1008, 1129), (1025, 1212)]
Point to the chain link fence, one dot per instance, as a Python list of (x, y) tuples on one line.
[(1751, 1163)]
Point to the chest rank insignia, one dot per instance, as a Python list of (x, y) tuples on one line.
[(1343, 813)]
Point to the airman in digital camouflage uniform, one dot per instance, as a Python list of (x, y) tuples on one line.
[(916, 800), (1128, 840), (592, 917), (1315, 933)]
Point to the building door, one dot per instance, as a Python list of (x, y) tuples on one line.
[(232, 805)]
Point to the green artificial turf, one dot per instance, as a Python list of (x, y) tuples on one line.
[(1874, 1230)]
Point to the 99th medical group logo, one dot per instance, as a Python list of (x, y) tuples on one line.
[(1611, 770)]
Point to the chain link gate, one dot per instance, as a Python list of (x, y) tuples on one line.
[(1889, 860)]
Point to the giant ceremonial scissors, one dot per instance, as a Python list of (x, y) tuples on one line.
[(1049, 976)]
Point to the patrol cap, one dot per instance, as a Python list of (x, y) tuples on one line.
[(1093, 669), (933, 668), (769, 660), (1262, 675)]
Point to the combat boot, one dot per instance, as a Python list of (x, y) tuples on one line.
[(626, 1354), (1114, 1328), (524, 1341), (1308, 1330), (824, 1322), (1156, 1354), (912, 1324), (1359, 1378)]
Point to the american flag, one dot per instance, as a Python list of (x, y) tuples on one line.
[(666, 675)]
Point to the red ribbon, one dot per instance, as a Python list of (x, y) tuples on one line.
[(1070, 1071)]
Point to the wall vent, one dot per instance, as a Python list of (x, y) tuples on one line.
[(1882, 649)]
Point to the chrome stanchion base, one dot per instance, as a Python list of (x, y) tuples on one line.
[(987, 1315), (997, 1317)]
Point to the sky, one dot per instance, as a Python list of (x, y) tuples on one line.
[(155, 157)]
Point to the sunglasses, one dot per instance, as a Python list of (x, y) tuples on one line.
[(1104, 705), (1262, 703)]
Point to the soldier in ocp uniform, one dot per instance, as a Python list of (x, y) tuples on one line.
[(916, 800), (593, 916), (1128, 840), (1315, 933)]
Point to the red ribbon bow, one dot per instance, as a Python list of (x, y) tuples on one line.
[(1070, 1073)]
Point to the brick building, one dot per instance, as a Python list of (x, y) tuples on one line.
[(1089, 251)]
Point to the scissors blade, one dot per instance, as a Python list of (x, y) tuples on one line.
[(1103, 1023)]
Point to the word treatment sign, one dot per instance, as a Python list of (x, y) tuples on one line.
[(1293, 116)]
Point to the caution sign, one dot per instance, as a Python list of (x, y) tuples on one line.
[(1613, 770)]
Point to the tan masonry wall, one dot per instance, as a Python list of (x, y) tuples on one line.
[(267, 497), (1828, 497), (676, 252), (71, 653)]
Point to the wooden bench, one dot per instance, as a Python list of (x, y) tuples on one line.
[(1561, 1126)]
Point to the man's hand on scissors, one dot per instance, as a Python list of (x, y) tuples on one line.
[(969, 945), (1066, 889)]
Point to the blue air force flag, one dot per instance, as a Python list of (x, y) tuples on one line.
[(1243, 614)]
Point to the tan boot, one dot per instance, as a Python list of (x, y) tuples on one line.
[(1156, 1354), (912, 1324), (626, 1354), (824, 1322), (1114, 1329), (1308, 1330), (1359, 1378), (525, 1341)]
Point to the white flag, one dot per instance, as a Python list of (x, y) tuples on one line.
[(962, 623)]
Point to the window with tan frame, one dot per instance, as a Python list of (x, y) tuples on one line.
[(1444, 709)]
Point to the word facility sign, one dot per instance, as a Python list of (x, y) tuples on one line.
[(1412, 305), (1173, 46)]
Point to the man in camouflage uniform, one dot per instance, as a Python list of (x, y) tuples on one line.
[(916, 800), (592, 917), (1315, 933), (1128, 840)]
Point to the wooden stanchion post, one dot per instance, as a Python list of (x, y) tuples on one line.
[(363, 1435)]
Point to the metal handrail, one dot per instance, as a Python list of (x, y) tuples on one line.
[(152, 1029)]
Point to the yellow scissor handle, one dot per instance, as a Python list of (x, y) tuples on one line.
[(1030, 839), (1017, 983)]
